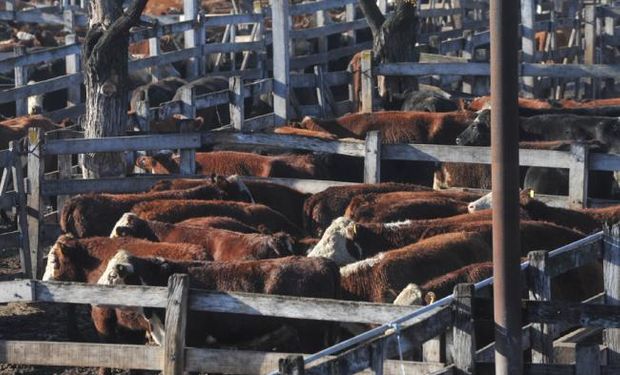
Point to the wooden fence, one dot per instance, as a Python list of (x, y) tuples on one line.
[(445, 328)]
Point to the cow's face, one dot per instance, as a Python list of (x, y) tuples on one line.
[(338, 243), (124, 227), (147, 163), (118, 269), (60, 265), (483, 203), (478, 133)]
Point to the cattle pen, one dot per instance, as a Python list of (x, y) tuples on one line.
[(262, 52), (445, 328)]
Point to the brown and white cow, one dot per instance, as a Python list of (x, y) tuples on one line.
[(220, 244), (256, 215), (95, 214), (293, 276)]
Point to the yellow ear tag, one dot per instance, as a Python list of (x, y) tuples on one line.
[(532, 193), (429, 298)]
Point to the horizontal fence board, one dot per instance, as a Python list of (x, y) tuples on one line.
[(587, 315), (604, 162), (232, 47), (69, 112), (314, 6), (16, 291), (335, 28), (259, 123), (300, 62), (103, 185), (125, 143), (351, 148), (221, 361), (39, 56), (80, 354), (570, 70), (49, 85), (296, 307), (231, 19), (471, 154), (160, 30), (118, 295), (164, 58)]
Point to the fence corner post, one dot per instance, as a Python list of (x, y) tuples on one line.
[(237, 103), (281, 60), (291, 365), (176, 318), (36, 166), (539, 285), (372, 158), (463, 333), (366, 96), (578, 176), (611, 282), (21, 79)]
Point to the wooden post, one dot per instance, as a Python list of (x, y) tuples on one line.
[(540, 290), (72, 66), (237, 102), (188, 98), (366, 96), (578, 176), (322, 41), (176, 317), (589, 55), (154, 50), (350, 17), (187, 164), (291, 365), (69, 20), (281, 63), (372, 158), (377, 357), (587, 359), (233, 55), (64, 173), (21, 79), (192, 38), (528, 42), (433, 349), (36, 166), (143, 113), (22, 218), (463, 334), (607, 55), (611, 282), (322, 93)]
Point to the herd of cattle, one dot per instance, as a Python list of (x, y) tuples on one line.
[(383, 243)]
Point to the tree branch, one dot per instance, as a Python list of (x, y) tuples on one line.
[(373, 15)]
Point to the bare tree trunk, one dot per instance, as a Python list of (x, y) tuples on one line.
[(105, 58), (394, 40)]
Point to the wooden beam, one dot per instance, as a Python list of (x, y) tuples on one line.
[(281, 60), (372, 158), (463, 333), (36, 167), (539, 282), (611, 283), (176, 319)]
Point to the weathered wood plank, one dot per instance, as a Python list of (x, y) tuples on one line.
[(257, 363), (463, 333), (589, 252), (578, 176), (126, 143), (16, 291), (49, 54), (176, 319), (611, 283), (296, 307), (372, 158), (539, 282), (281, 60), (42, 87), (36, 167), (82, 354), (334, 28), (585, 314)]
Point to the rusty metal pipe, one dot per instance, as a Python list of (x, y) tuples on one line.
[(505, 179)]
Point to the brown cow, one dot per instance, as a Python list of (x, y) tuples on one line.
[(322, 208), (221, 245), (84, 260), (382, 277), (95, 214), (346, 241), (219, 222), (292, 130), (283, 199), (240, 163), (174, 211), (397, 127), (293, 276), (16, 128), (397, 206)]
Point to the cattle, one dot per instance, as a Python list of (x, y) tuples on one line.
[(322, 208), (443, 285), (397, 206), (426, 101), (292, 130), (585, 220), (95, 214), (292, 276), (174, 211), (84, 260), (214, 117), (14, 129), (346, 241), (241, 163), (157, 92), (534, 107), (220, 244), (382, 277), (219, 222), (396, 127), (283, 199)]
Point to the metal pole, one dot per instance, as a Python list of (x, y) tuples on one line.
[(505, 178)]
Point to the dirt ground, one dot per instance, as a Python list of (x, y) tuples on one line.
[(38, 322)]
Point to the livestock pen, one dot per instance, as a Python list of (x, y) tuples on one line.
[(445, 328)]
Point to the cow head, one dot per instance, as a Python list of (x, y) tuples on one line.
[(410, 295), (62, 263), (234, 187), (482, 203), (479, 132), (338, 243), (282, 244), (130, 225), (160, 163), (118, 269)]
